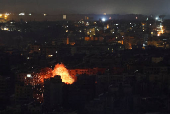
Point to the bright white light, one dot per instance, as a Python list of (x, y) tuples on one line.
[(28, 75), (113, 32), (22, 14), (117, 24), (150, 24), (30, 14), (156, 18), (130, 23), (103, 19)]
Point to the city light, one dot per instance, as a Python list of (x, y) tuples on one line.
[(156, 18), (6, 29), (64, 16), (103, 19), (21, 13), (28, 75), (7, 14)]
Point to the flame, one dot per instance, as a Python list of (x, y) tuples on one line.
[(47, 73), (60, 69)]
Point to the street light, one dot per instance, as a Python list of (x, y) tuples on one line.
[(103, 19)]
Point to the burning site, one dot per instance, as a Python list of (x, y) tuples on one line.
[(68, 77), (37, 80), (59, 69)]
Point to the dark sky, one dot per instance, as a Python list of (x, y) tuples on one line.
[(87, 6)]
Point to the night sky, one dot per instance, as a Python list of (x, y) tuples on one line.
[(87, 6)]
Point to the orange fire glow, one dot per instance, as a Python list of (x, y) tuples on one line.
[(60, 69), (46, 73)]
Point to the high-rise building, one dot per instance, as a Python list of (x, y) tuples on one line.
[(52, 93), (23, 93)]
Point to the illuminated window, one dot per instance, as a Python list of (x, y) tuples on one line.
[(64, 16)]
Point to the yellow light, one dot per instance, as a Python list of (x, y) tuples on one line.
[(162, 31), (6, 29), (0, 15)]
